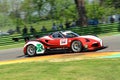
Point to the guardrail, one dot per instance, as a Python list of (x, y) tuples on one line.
[(90, 30)]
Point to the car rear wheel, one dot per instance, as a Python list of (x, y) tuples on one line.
[(76, 46), (31, 50)]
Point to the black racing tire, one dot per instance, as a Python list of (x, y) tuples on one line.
[(31, 50), (76, 46)]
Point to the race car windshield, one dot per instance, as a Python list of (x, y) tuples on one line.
[(70, 34)]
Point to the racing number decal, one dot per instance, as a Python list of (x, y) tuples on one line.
[(63, 42), (39, 48)]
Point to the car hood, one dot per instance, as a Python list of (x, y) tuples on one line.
[(91, 37)]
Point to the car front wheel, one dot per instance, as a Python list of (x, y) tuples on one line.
[(76, 46)]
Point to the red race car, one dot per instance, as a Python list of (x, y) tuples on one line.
[(62, 40)]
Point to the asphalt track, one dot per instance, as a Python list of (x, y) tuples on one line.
[(112, 43)]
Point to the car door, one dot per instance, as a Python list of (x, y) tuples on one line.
[(58, 40)]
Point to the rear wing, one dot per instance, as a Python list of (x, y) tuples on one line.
[(25, 38)]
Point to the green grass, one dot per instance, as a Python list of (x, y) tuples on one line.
[(109, 34), (6, 42), (102, 69)]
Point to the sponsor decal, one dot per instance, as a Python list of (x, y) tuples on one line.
[(39, 47), (63, 42)]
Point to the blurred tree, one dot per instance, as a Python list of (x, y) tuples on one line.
[(96, 11), (80, 4), (62, 10), (4, 11), (35, 10), (110, 3), (15, 11), (101, 2), (27, 9), (38, 5)]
